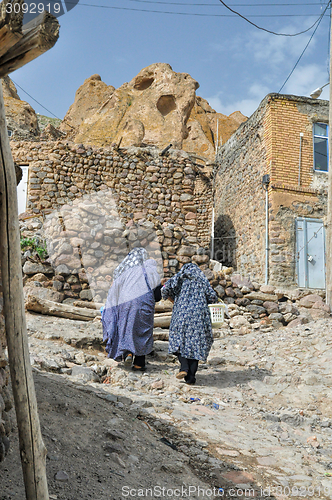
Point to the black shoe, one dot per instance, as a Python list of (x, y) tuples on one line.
[(190, 381), (138, 368)]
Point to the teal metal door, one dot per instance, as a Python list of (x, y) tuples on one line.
[(310, 251)]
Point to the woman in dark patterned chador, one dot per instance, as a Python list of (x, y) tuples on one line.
[(190, 333), (129, 311)]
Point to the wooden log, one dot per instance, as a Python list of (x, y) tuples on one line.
[(32, 448), (160, 336), (11, 19), (162, 322), (160, 308), (39, 35), (163, 315), (45, 306), (8, 38), (11, 14), (88, 305), (163, 306)]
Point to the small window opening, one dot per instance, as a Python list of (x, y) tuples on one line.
[(321, 133)]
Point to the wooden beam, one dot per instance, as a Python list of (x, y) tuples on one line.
[(32, 448), (8, 38), (163, 306), (11, 14), (11, 19), (38, 36), (89, 305), (45, 306)]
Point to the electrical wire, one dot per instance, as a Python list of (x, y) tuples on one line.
[(49, 111), (318, 21), (232, 5), (80, 4), (273, 32), (299, 59), (329, 52)]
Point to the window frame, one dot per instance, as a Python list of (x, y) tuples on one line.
[(327, 147)]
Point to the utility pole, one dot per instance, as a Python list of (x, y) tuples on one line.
[(329, 195), (20, 44)]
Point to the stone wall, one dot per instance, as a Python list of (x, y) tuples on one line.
[(96, 204), (269, 143), (286, 207)]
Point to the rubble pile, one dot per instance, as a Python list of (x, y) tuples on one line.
[(251, 305)]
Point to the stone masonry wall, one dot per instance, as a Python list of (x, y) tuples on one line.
[(140, 193), (240, 199)]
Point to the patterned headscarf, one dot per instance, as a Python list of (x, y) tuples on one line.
[(191, 271), (135, 258)]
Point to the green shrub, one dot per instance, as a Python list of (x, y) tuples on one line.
[(35, 245)]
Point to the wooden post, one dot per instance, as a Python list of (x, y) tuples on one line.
[(32, 448), (328, 254)]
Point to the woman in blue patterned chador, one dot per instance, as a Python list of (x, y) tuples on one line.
[(190, 333), (129, 311)]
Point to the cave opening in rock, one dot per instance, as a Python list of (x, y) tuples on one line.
[(143, 83), (166, 104)]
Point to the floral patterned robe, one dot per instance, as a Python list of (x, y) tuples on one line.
[(190, 331)]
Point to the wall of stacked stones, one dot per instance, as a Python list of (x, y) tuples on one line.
[(96, 204), (286, 207), (240, 199)]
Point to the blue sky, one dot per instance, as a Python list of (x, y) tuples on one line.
[(235, 64)]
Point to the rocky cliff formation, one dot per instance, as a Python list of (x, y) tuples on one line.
[(21, 117), (158, 107)]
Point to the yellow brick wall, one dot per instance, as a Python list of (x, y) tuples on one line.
[(283, 125)]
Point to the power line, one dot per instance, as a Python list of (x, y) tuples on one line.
[(130, 9), (299, 59), (273, 32), (232, 5), (328, 52), (27, 93)]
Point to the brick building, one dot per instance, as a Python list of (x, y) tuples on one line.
[(286, 139)]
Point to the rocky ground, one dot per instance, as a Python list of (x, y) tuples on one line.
[(258, 422)]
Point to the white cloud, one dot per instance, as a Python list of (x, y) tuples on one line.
[(247, 105), (262, 62), (266, 51), (305, 80), (275, 51)]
